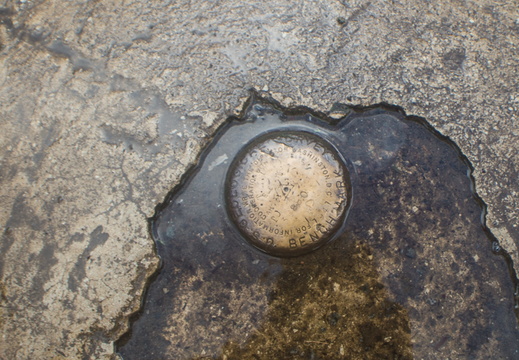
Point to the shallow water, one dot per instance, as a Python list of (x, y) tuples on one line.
[(410, 272)]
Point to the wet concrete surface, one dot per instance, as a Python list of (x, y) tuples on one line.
[(412, 273), (104, 106)]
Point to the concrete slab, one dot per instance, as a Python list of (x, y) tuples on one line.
[(104, 105)]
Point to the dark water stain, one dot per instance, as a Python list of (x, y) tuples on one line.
[(453, 59), (79, 62), (411, 274), (22, 215), (171, 126), (78, 273), (44, 260), (6, 15)]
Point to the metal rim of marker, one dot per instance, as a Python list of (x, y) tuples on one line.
[(287, 192)]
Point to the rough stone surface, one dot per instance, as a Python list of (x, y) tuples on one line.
[(104, 105)]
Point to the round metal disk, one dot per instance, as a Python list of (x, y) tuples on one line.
[(287, 192)]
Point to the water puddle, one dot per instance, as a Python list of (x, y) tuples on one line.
[(303, 237)]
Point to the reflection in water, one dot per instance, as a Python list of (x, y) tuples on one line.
[(411, 274)]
